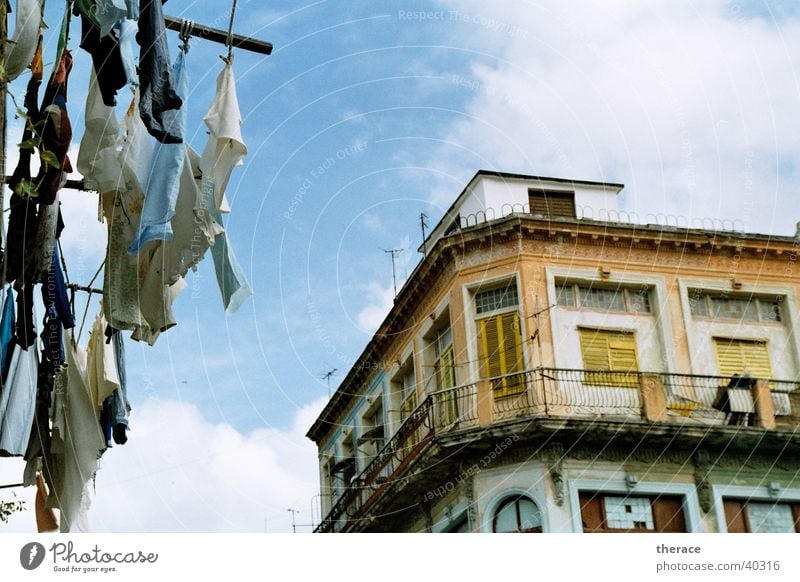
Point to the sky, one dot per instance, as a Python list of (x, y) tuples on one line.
[(366, 115)]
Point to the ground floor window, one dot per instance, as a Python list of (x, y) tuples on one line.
[(617, 512), (743, 516), (517, 514)]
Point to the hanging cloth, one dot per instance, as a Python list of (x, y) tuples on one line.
[(98, 159), (224, 150), (165, 172), (71, 462), (159, 94), (56, 133), (18, 402), (22, 46), (102, 365), (6, 334), (106, 58)]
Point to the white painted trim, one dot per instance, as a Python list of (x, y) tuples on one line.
[(498, 498), (719, 492), (691, 505), (790, 310), (659, 302)]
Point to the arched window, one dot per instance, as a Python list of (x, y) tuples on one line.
[(517, 515)]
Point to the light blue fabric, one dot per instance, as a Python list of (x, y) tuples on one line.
[(230, 276), (18, 402), (108, 13), (165, 172), (126, 30), (119, 399)]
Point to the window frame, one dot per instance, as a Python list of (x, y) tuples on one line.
[(756, 299), (560, 197), (508, 384), (535, 494), (516, 499), (627, 290), (688, 491), (748, 493)]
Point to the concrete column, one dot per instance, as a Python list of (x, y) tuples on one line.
[(654, 401), (762, 399)]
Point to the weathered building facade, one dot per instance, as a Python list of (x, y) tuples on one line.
[(550, 367)]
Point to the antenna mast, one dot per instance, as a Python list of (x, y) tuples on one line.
[(394, 253)]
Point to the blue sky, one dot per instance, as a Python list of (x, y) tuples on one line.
[(366, 115)]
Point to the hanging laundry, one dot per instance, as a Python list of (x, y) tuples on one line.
[(17, 403), (223, 151), (126, 33), (76, 443), (48, 229), (56, 134), (106, 58), (22, 46), (101, 369), (6, 334), (25, 329), (98, 159), (57, 317), (45, 517), (164, 178), (159, 94), (118, 406), (109, 13)]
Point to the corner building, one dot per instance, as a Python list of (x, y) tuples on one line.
[(551, 367)]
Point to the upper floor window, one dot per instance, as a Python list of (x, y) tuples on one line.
[(738, 307), (496, 299), (608, 298), (602, 513), (552, 204), (500, 339), (747, 516), (517, 515)]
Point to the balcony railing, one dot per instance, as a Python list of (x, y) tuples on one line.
[(552, 392)]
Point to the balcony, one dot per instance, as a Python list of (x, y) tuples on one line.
[(638, 398)]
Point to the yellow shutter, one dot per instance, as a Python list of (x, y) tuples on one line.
[(614, 351), (446, 372), (501, 352), (738, 356)]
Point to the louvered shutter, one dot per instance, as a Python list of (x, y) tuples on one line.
[(614, 351), (737, 356), (501, 352), (552, 204)]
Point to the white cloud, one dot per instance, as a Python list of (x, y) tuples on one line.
[(181, 473), (372, 222), (692, 106), (380, 301)]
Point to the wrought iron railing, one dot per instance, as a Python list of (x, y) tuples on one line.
[(542, 392)]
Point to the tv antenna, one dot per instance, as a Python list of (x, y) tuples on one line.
[(327, 377), (423, 222), (394, 253), (294, 524)]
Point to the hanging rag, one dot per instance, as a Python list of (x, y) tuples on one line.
[(165, 172), (48, 228), (106, 58), (45, 517), (56, 134), (22, 46), (18, 402), (76, 443), (102, 366), (224, 150), (159, 94), (6, 334), (25, 329), (57, 315), (118, 405), (98, 159)]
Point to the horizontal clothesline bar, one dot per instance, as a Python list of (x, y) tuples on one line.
[(12, 486), (76, 287), (70, 185), (216, 35)]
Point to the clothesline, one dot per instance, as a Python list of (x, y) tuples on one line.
[(219, 36)]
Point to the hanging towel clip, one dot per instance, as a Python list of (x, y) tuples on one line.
[(187, 29)]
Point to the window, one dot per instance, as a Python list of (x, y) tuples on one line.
[(496, 299), (600, 297), (445, 373), (606, 351), (409, 390), (737, 307), (373, 433), (552, 204), (500, 347), (743, 516), (609, 513), (517, 515), (500, 339), (742, 356)]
